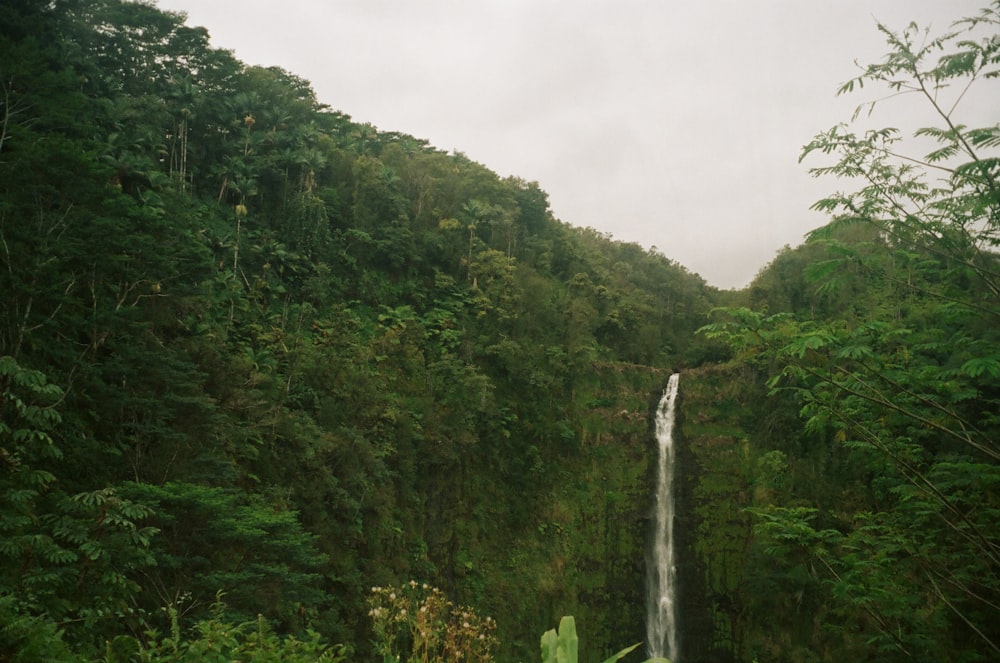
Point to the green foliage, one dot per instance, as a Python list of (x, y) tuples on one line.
[(212, 539), (54, 545), (218, 639), (251, 344), (562, 645), (26, 638), (888, 354)]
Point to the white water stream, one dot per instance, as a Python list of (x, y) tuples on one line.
[(661, 601)]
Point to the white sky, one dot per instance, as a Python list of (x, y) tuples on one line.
[(675, 125)]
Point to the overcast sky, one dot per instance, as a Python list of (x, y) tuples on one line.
[(675, 125)]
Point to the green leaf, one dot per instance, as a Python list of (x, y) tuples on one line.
[(982, 365), (623, 653), (854, 352), (561, 646), (805, 342)]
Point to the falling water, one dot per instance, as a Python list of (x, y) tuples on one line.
[(661, 602)]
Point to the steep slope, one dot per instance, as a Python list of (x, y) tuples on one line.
[(251, 345)]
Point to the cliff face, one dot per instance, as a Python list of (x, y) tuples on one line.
[(715, 478), (583, 555), (709, 529)]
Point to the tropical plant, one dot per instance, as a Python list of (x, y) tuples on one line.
[(416, 623), (562, 645), (240, 318), (905, 383), (216, 638)]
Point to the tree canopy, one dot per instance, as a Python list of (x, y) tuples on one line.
[(250, 345), (882, 331), (267, 371)]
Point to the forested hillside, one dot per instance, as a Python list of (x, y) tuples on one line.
[(258, 358), (848, 500), (277, 384)]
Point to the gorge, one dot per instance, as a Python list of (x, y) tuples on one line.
[(261, 364)]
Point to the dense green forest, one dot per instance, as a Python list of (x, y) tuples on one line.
[(277, 384)]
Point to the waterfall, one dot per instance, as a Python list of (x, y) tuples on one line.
[(661, 600)]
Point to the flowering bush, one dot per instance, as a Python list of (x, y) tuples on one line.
[(418, 620)]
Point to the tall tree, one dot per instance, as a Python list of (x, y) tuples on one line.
[(909, 389)]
